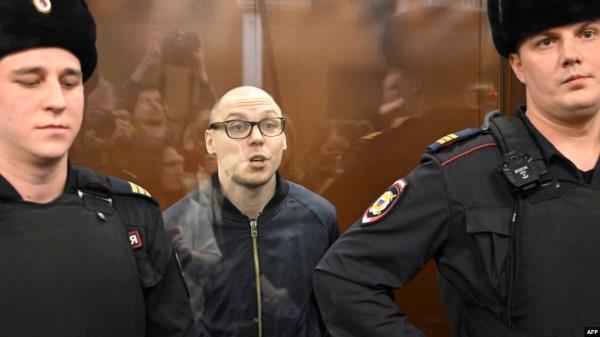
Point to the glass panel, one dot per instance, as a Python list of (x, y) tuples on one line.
[(365, 85)]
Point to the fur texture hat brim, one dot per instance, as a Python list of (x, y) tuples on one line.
[(67, 24), (512, 21)]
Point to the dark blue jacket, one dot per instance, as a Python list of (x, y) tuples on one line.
[(293, 232)]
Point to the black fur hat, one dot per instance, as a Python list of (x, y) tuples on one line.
[(67, 24), (512, 21)]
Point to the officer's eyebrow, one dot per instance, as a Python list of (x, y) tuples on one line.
[(40, 70), (72, 72), (580, 27), (28, 70), (588, 24)]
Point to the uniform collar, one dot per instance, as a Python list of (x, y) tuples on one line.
[(71, 185), (548, 150), (9, 193), (559, 165), (281, 191)]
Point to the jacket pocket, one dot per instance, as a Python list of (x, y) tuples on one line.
[(490, 228)]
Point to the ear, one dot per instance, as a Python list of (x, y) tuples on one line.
[(517, 66), (209, 142), (284, 142)]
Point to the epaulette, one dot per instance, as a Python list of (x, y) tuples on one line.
[(124, 187), (453, 138)]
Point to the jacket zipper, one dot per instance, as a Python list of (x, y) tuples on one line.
[(254, 236)]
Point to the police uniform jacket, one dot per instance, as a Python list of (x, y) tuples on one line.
[(93, 262), (225, 256), (456, 208)]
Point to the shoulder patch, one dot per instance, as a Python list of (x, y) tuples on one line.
[(135, 239), (452, 138), (120, 186), (385, 202)]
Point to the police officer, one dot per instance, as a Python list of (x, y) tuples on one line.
[(509, 214), (80, 254)]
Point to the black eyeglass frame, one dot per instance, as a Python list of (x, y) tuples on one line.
[(218, 125)]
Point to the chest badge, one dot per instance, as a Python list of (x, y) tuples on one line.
[(43, 6), (385, 202), (135, 239)]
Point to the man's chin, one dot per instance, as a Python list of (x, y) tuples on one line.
[(48, 159), (582, 110), (253, 182)]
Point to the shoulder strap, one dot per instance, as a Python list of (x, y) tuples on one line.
[(522, 163), (452, 138), (94, 184), (124, 187), (94, 189)]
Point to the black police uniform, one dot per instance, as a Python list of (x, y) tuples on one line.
[(93, 262), (508, 262), (377, 159)]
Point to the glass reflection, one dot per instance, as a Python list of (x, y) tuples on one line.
[(366, 86)]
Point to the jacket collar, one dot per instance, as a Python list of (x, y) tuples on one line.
[(281, 191), (559, 165)]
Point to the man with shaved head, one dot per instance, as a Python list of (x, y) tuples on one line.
[(248, 239), (245, 166)]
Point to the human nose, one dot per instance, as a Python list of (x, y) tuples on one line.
[(255, 134), (570, 52), (55, 98)]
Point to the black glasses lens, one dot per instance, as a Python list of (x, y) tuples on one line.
[(271, 126), (238, 128)]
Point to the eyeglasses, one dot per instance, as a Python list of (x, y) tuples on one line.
[(239, 128)]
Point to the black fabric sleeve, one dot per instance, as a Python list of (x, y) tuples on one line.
[(168, 311), (354, 281)]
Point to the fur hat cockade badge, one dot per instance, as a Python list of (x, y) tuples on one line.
[(43, 6)]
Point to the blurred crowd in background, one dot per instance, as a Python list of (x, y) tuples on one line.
[(365, 85)]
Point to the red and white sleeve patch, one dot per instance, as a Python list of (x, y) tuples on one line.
[(135, 239), (385, 202)]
